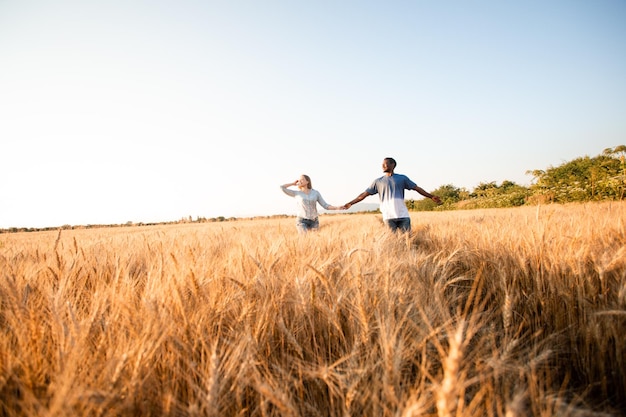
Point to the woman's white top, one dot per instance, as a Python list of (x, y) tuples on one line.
[(306, 206)]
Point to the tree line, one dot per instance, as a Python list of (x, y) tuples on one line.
[(598, 178)]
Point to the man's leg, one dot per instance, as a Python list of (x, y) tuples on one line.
[(402, 225)]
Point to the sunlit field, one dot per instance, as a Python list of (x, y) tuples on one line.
[(504, 312)]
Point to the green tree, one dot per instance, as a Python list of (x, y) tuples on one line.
[(618, 181), (449, 195), (582, 179), (425, 204), (485, 189), (492, 195)]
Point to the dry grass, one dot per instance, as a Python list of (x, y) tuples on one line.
[(509, 312)]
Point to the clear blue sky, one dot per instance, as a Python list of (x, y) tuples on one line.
[(115, 111)]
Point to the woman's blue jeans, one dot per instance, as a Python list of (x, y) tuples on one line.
[(304, 225)]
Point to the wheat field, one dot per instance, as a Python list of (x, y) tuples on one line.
[(503, 312)]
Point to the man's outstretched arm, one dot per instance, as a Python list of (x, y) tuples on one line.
[(427, 194), (360, 197)]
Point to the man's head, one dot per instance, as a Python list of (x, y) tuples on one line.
[(389, 164)]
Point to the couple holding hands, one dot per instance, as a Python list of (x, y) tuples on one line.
[(390, 188)]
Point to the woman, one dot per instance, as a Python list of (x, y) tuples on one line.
[(306, 199)]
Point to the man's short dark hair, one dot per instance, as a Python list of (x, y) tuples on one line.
[(393, 161)]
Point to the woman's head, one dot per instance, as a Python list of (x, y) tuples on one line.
[(305, 182)]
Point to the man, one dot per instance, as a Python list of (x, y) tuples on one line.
[(390, 188)]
